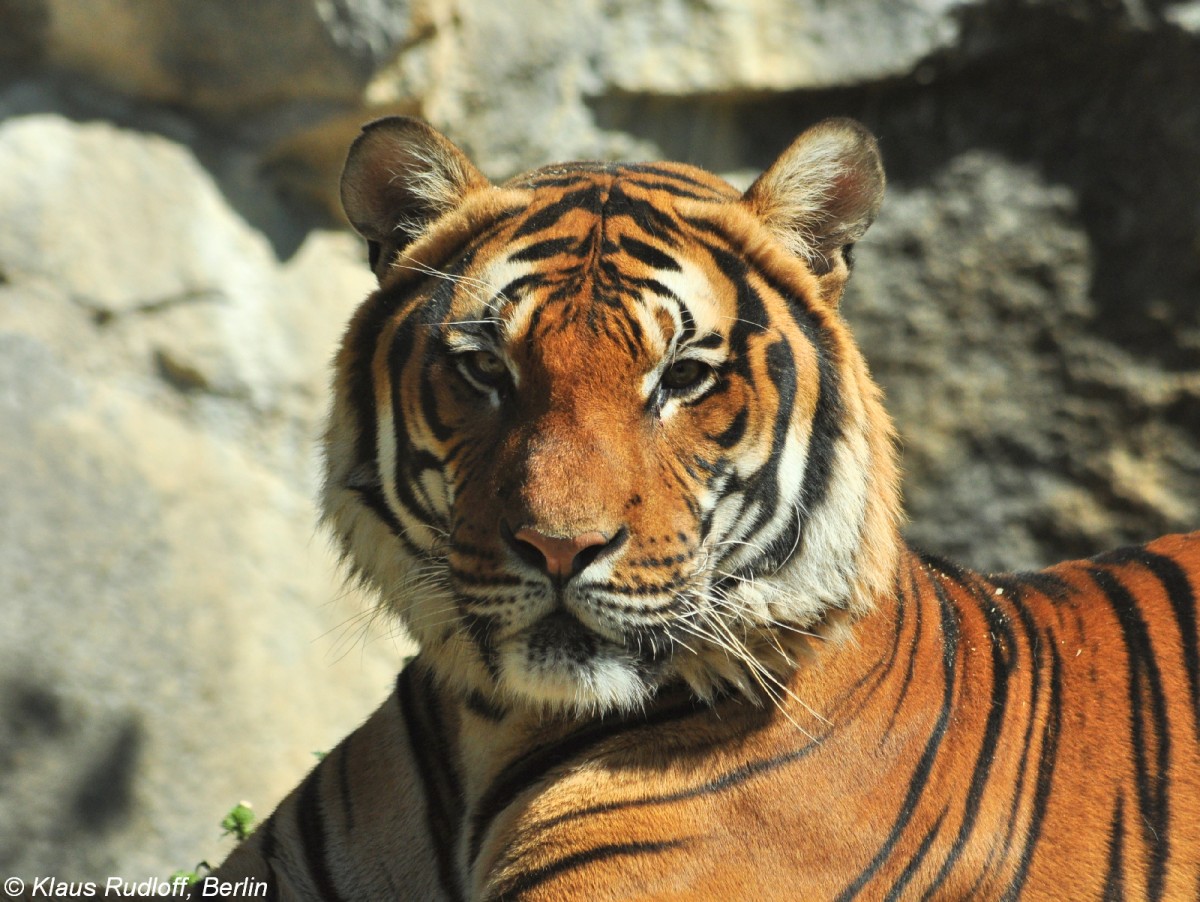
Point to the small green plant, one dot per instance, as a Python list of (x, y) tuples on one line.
[(191, 877), (239, 823)]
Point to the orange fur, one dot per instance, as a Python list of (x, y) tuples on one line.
[(739, 683)]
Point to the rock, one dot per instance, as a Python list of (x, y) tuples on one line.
[(174, 636), (1185, 15), (224, 58), (679, 48), (962, 298)]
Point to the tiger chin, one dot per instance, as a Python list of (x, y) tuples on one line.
[(603, 442)]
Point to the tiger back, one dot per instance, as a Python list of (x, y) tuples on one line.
[(605, 445)]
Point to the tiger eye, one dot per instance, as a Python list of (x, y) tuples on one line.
[(684, 374), (485, 367)]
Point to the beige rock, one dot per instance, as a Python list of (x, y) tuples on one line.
[(223, 58), (174, 635)]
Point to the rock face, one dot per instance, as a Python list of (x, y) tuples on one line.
[(173, 633)]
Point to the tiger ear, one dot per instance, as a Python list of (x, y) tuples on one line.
[(401, 175), (821, 195)]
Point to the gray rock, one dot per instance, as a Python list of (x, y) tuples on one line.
[(164, 595), (224, 58)]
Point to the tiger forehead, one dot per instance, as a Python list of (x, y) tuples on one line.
[(604, 246), (670, 178), (645, 311)]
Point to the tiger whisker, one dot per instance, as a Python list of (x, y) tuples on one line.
[(762, 675), (417, 266), (719, 633)]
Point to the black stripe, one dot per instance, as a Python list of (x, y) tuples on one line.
[(763, 487), (647, 215), (902, 604), (542, 250), (910, 869), (648, 254), (1003, 647), (522, 773), (1183, 602), (1114, 881), (563, 176), (1152, 740), (477, 703), (1047, 760), (478, 627), (667, 172), (827, 418), (431, 754), (674, 190), (399, 355), (433, 315), (1015, 594), (586, 197), (729, 780), (1182, 598), (734, 432), (310, 826), (373, 499), (365, 330), (535, 878), (1052, 586), (920, 778), (360, 347)]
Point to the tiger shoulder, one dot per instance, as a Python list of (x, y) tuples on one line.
[(603, 442)]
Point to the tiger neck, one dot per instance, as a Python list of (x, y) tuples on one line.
[(818, 696), (858, 702)]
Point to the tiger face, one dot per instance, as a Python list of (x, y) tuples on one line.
[(601, 427)]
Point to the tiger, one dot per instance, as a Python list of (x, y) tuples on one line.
[(603, 442)]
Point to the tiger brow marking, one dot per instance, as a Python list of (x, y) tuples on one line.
[(647, 253), (460, 280), (587, 196)]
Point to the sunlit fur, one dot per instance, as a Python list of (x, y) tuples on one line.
[(750, 688), (750, 511)]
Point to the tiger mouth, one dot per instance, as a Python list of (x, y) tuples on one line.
[(561, 632), (562, 637)]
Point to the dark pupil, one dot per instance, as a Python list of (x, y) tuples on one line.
[(684, 373), (488, 367)]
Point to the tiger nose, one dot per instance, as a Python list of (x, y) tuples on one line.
[(562, 557)]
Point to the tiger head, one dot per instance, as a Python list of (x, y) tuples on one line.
[(601, 427)]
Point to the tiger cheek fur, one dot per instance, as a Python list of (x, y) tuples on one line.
[(601, 441)]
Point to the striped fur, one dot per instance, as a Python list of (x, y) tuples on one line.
[(743, 685)]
